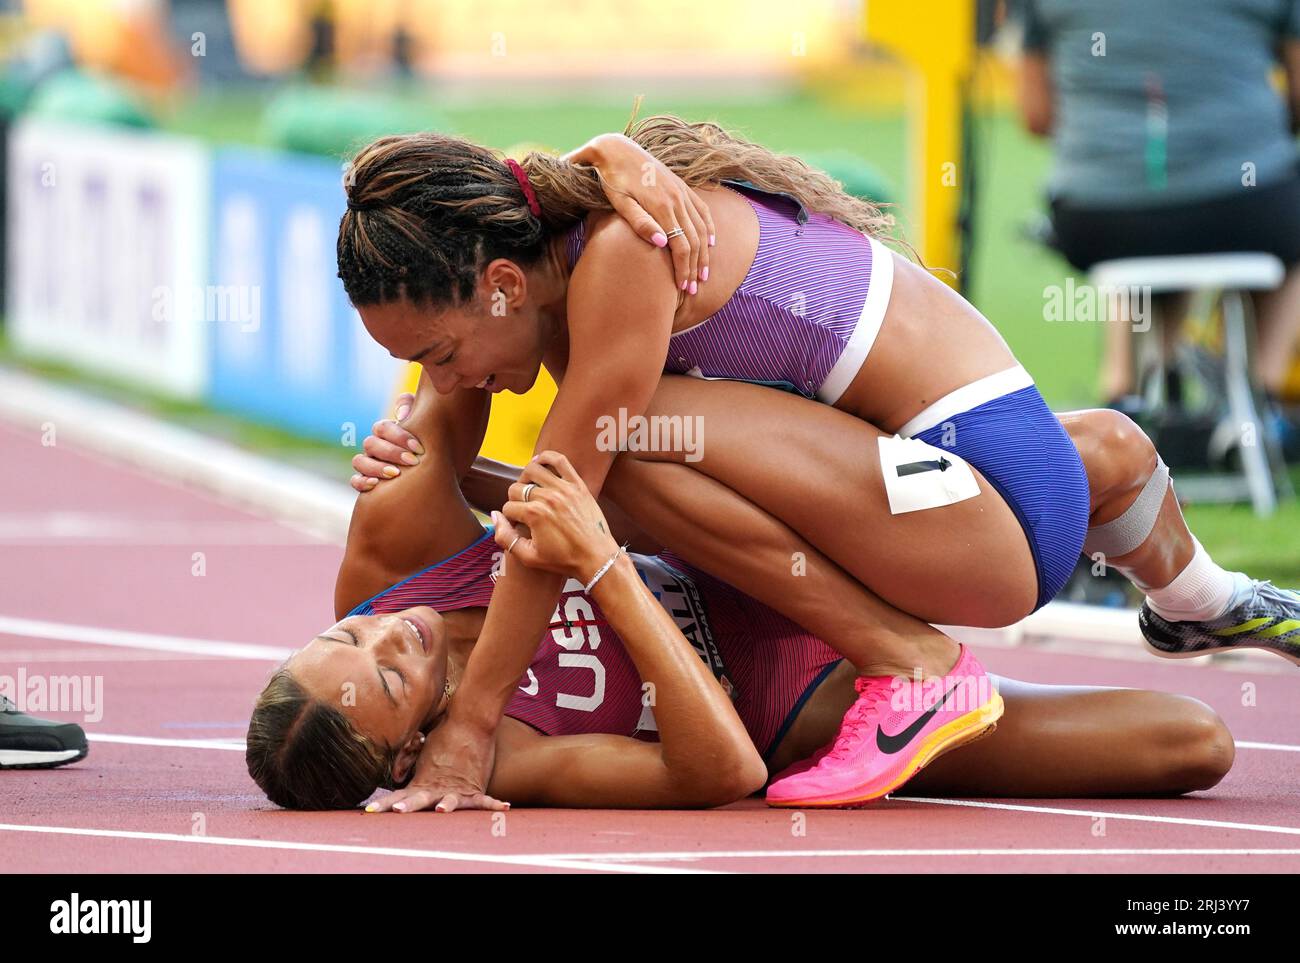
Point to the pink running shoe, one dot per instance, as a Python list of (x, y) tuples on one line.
[(895, 729)]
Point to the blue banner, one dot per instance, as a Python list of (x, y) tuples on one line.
[(287, 347)]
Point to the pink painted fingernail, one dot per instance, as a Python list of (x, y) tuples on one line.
[(704, 274), (693, 287), (684, 284), (409, 459), (415, 446), (391, 471), (400, 807), (713, 240), (659, 239), (402, 412)]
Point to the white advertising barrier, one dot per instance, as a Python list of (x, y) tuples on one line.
[(108, 234)]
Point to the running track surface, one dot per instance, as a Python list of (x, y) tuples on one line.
[(98, 567)]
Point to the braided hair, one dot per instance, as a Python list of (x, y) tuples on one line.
[(426, 212)]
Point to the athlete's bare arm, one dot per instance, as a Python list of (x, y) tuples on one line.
[(420, 517), (425, 514), (704, 756), (619, 315), (487, 487)]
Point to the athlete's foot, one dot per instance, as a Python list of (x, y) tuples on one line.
[(30, 743), (1260, 616), (926, 658), (892, 731)]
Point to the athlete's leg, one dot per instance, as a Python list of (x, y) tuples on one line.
[(1120, 461), (717, 530), (1056, 741), (1085, 741), (725, 533), (818, 471), (1193, 605)]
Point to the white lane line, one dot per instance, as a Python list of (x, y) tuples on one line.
[(1102, 814), (196, 743), (83, 654), (93, 635), (1275, 746), (65, 528), (233, 744), (687, 856), (596, 862), (619, 862)]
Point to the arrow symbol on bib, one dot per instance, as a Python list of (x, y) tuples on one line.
[(917, 467)]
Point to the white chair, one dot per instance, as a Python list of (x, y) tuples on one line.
[(1229, 275)]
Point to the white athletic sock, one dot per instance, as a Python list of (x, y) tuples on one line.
[(1200, 592)]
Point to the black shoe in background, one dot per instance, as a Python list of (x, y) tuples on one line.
[(30, 743)]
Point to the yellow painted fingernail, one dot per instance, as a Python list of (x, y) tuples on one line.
[(409, 459), (391, 471)]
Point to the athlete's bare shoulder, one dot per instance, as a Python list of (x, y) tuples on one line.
[(618, 274)]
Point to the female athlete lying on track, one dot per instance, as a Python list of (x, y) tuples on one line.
[(742, 693), (483, 271)]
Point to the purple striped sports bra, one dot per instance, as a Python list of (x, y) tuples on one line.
[(806, 314)]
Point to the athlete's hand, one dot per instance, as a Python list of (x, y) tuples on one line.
[(450, 774), (568, 533), (387, 449), (655, 201)]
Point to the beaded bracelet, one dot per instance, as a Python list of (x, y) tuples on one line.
[(605, 568)]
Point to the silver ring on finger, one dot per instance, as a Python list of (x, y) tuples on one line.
[(512, 544), (528, 490), (675, 232)]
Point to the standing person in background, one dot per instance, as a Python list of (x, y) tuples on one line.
[(1169, 138)]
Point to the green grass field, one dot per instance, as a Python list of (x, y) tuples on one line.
[(1009, 273)]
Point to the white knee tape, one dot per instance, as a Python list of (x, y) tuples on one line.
[(1126, 533)]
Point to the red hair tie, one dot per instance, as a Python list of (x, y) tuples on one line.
[(529, 194)]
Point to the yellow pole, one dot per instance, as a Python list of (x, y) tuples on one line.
[(937, 41)]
